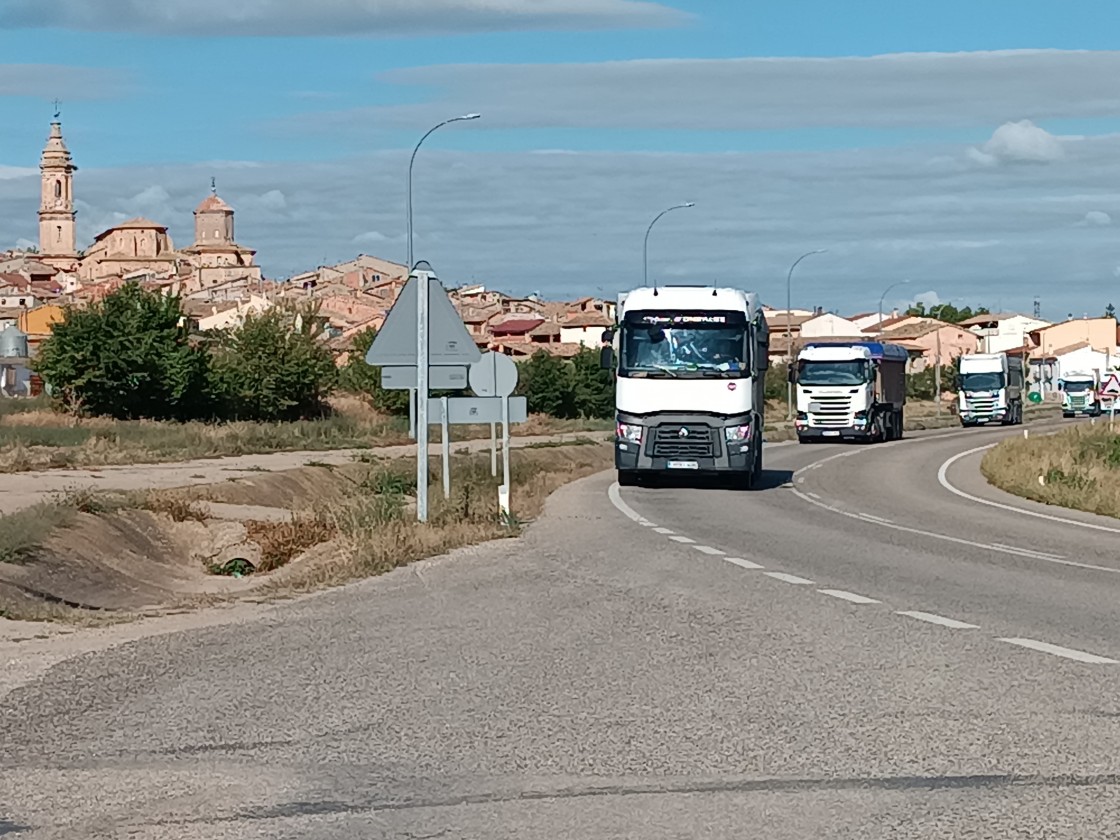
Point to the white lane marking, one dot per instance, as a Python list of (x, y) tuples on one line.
[(743, 564), (875, 518), (814, 495), (1044, 555), (707, 549), (849, 596), (1018, 552), (682, 539), (801, 480), (787, 578), (666, 531), (943, 480), (614, 493), (1058, 650), (647, 524), (939, 619)]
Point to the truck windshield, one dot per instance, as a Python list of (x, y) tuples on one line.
[(853, 372), (984, 381), (684, 344), (1074, 387)]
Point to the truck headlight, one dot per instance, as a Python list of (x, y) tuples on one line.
[(629, 433), (740, 434)]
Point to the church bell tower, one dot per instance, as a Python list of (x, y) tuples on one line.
[(56, 207)]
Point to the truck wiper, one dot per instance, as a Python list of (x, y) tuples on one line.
[(667, 370)]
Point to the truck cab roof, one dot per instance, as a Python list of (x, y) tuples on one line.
[(703, 298), (837, 350)]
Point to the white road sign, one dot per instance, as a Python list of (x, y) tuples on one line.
[(449, 342), (1111, 386), (441, 378), (468, 410), (494, 375)]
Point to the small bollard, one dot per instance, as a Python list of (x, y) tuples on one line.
[(1026, 433)]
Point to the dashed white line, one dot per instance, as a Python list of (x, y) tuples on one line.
[(1058, 650), (848, 596), (743, 564), (666, 531), (782, 576), (682, 539), (939, 619), (645, 523), (707, 549)]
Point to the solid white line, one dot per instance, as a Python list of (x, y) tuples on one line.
[(645, 523), (614, 493), (848, 596), (744, 564), (943, 479), (958, 540), (875, 518), (1044, 555), (1057, 650), (707, 549), (666, 531), (814, 495), (938, 619), (682, 539), (787, 578)]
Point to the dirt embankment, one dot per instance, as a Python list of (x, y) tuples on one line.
[(118, 555)]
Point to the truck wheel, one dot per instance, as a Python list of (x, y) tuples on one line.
[(900, 426), (626, 478)]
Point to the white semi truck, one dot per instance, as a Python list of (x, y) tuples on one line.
[(990, 389), (1079, 394), (689, 394), (850, 390)]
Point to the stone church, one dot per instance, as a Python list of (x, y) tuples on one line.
[(138, 246)]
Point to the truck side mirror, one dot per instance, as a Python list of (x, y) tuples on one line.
[(606, 357)]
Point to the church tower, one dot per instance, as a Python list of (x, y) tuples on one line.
[(56, 208), (213, 222)]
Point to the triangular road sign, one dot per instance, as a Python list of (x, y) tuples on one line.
[(449, 343), (1111, 386)]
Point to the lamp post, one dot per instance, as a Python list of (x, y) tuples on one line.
[(645, 245), (413, 408), (883, 296), (789, 327)]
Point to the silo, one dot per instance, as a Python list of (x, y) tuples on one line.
[(13, 343)]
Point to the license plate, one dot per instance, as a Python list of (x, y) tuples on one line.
[(683, 465), (832, 433)]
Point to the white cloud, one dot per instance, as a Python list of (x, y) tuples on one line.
[(46, 80), (24, 244), (213, 18), (928, 299), (1019, 142), (1096, 218), (8, 172), (898, 90), (524, 221)]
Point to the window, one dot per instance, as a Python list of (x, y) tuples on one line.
[(58, 189), (23, 301), (58, 233)]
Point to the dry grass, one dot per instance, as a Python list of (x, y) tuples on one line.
[(35, 437), (1076, 468), (178, 508), (377, 532), (281, 542)]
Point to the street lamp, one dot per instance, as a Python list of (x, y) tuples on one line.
[(412, 161), (422, 302), (645, 246), (883, 297), (789, 327)]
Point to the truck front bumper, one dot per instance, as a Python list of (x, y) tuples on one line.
[(834, 432), (661, 448)]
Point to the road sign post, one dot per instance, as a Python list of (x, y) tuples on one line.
[(1110, 388), (422, 309), (445, 439), (495, 375)]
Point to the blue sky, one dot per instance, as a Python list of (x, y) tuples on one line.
[(152, 100)]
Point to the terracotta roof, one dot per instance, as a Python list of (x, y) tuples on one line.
[(887, 323), (977, 320), (565, 350), (213, 204), (546, 328), (588, 319), (139, 223), (516, 326), (17, 281), (778, 319), (1069, 348)]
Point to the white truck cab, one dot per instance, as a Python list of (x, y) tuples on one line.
[(990, 389), (689, 393), (1079, 394)]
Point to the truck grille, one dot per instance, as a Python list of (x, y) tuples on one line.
[(982, 405), (699, 442), (1077, 401), (831, 411)]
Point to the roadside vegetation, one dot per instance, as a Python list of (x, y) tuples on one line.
[(351, 522), (1077, 468)]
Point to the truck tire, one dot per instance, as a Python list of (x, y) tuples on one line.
[(900, 425), (627, 478)]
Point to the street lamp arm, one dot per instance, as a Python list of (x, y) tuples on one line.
[(645, 244), (412, 160)]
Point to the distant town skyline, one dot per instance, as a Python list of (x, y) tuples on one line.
[(971, 151)]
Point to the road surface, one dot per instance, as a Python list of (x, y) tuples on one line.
[(876, 645)]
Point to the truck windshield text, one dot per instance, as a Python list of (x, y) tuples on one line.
[(693, 344), (853, 372)]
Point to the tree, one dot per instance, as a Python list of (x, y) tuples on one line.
[(273, 367), (547, 385), (361, 378), (592, 387), (946, 312), (127, 356)]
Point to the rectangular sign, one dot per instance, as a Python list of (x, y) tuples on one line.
[(440, 378), (467, 410)]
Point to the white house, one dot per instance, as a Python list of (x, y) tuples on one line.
[(585, 329), (1048, 368), (228, 314), (1003, 331), (828, 325)]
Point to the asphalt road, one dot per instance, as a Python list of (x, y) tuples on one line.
[(826, 657)]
